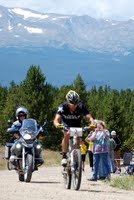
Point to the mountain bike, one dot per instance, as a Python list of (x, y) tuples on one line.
[(72, 172)]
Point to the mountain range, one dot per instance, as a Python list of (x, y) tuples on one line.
[(101, 50)]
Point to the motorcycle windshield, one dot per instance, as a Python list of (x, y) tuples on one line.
[(29, 126)]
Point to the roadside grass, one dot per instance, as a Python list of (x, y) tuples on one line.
[(2, 160), (125, 182), (51, 158)]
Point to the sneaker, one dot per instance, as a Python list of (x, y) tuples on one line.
[(92, 179), (64, 162), (107, 178), (40, 161), (102, 177)]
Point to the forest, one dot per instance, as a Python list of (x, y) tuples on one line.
[(42, 99)]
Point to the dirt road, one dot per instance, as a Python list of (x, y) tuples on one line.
[(47, 184)]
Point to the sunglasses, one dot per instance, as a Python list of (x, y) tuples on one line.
[(21, 115), (72, 104)]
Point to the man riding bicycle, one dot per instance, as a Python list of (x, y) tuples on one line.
[(70, 114)]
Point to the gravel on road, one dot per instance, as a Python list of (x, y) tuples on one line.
[(47, 184)]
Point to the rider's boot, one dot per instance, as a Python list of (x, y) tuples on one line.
[(39, 162)]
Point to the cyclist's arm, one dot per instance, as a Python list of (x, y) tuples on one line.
[(57, 120)]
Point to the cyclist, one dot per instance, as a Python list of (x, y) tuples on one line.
[(70, 114)]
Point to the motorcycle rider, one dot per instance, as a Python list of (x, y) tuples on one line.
[(70, 114), (21, 114)]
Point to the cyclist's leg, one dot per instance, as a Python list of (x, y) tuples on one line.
[(65, 142)]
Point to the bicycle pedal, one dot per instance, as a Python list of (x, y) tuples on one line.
[(72, 169)]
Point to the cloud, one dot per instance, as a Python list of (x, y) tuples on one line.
[(115, 9)]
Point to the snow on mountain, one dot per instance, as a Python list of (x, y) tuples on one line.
[(65, 45), (24, 27), (27, 14)]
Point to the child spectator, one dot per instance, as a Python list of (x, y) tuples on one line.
[(90, 150), (83, 149)]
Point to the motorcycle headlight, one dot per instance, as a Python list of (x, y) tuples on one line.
[(38, 146), (27, 136), (18, 145)]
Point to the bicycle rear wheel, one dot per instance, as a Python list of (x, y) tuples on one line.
[(77, 173)]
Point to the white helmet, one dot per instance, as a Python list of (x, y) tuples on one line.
[(113, 133), (21, 110)]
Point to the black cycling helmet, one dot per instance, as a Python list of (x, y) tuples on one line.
[(21, 111), (72, 97)]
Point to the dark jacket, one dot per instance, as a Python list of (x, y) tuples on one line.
[(118, 143)]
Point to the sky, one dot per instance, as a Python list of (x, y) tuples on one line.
[(107, 9)]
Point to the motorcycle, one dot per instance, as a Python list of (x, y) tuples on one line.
[(26, 149)]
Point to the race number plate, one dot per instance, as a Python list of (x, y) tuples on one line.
[(74, 131)]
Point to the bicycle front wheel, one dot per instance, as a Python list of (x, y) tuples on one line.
[(67, 177), (77, 172)]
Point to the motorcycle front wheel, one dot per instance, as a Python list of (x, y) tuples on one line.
[(9, 165), (28, 168), (21, 177)]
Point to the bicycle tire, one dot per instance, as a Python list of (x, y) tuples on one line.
[(67, 178), (77, 173), (67, 175)]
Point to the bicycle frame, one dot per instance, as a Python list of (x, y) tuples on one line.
[(73, 170)]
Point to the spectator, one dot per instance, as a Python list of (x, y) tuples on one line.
[(83, 149), (90, 150), (100, 137), (117, 150), (112, 146)]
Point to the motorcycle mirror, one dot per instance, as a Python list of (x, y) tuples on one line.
[(9, 122), (45, 124)]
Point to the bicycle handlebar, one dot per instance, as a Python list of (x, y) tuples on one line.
[(84, 129)]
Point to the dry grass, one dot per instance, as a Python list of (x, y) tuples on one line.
[(51, 158), (2, 160)]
